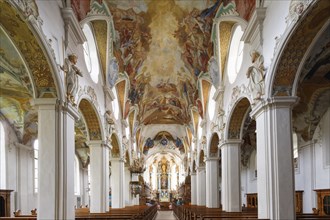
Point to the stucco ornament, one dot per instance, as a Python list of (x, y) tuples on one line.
[(110, 123), (256, 76), (214, 71), (71, 77), (297, 8)]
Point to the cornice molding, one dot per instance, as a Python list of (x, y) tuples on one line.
[(72, 27)]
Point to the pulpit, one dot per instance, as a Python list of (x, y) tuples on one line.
[(5, 202)]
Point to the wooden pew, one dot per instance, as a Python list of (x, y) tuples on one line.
[(134, 212), (201, 212)]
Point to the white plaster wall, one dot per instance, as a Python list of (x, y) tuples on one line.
[(248, 180), (27, 199), (274, 26), (127, 191), (11, 164), (313, 173), (53, 28), (303, 160), (321, 152)]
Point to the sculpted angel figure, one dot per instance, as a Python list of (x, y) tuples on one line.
[(256, 75), (110, 122), (71, 77)]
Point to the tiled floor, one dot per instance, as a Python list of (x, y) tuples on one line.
[(165, 215)]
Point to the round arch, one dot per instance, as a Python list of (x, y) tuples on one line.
[(213, 147), (201, 158), (30, 41), (285, 71), (236, 119), (115, 150), (92, 119), (193, 167), (224, 24), (127, 159)]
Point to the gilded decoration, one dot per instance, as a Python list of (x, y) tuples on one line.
[(28, 46), (237, 117), (115, 151), (91, 119), (206, 86), (313, 89), (225, 36), (121, 88), (249, 138), (100, 32), (138, 166), (81, 135), (16, 92), (297, 46), (163, 46), (214, 145)]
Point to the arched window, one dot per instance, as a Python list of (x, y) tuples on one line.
[(76, 176), (211, 103), (2, 158), (36, 170), (115, 103), (199, 129), (295, 145), (235, 57), (253, 165), (89, 178), (90, 54)]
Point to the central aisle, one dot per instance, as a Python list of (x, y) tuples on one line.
[(165, 215)]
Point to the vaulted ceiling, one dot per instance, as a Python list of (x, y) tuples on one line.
[(164, 48)]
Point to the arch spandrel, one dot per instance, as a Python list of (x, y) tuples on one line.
[(90, 116), (213, 149), (296, 47), (237, 117), (30, 48)]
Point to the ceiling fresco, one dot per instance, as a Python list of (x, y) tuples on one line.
[(163, 46), (313, 89), (30, 49), (16, 92)]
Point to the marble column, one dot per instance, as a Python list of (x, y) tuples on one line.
[(117, 182), (212, 182), (193, 189), (56, 158), (276, 187), (231, 184), (99, 168), (201, 186)]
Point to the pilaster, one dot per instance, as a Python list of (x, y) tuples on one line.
[(212, 182), (56, 158), (231, 182), (201, 186), (99, 168), (117, 182), (275, 158), (193, 188)]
